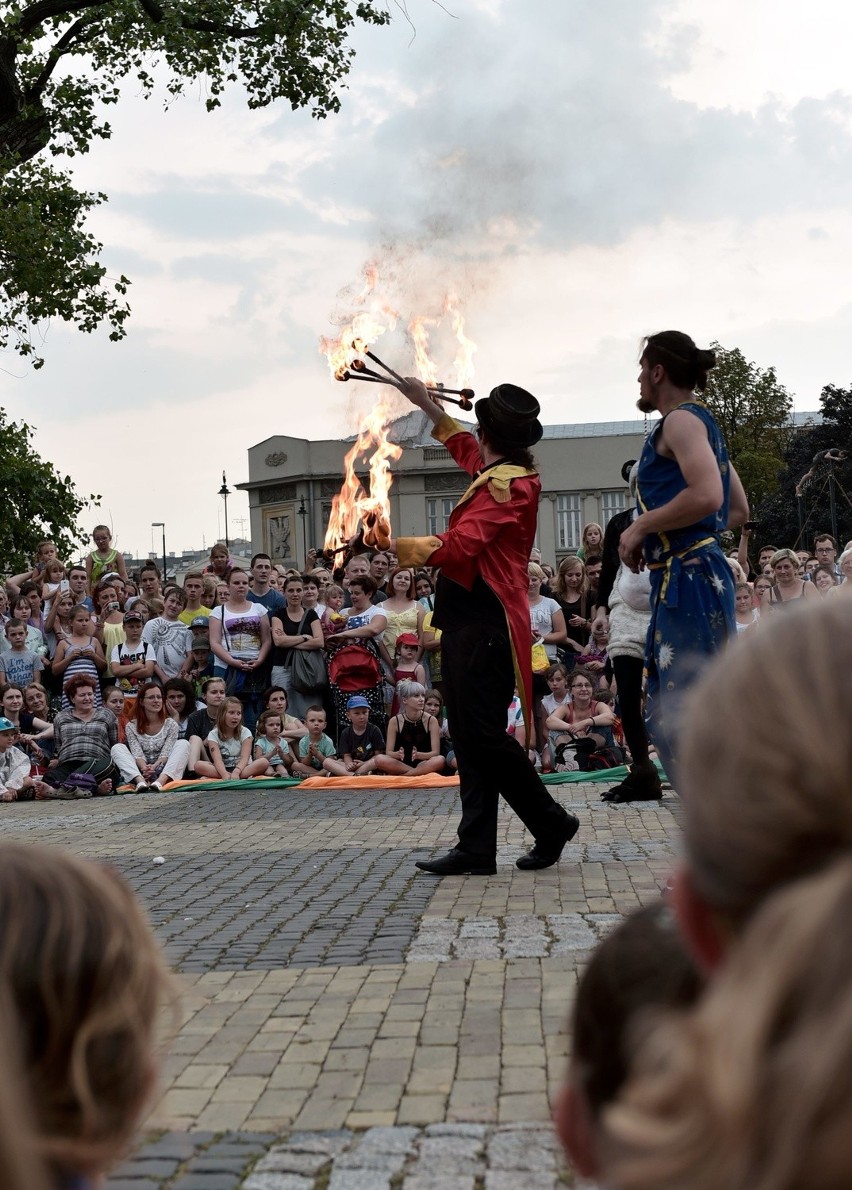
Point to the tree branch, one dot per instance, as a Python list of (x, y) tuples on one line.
[(68, 38), (45, 9)]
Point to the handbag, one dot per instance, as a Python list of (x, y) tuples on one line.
[(308, 671), (540, 660)]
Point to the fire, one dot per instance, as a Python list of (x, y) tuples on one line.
[(426, 369), (463, 363), (374, 317), (353, 505)]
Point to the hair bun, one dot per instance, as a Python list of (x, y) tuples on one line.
[(705, 359)]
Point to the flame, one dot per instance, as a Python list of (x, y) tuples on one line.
[(376, 316), (463, 363), (426, 369), (353, 505)]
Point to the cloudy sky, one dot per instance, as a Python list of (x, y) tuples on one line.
[(580, 174)]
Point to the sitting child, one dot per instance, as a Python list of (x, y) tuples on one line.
[(229, 746), (15, 784), (361, 742), (640, 970), (271, 746), (556, 677), (414, 738), (86, 983), (434, 705), (317, 754)]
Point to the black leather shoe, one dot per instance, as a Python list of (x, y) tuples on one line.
[(458, 863), (545, 857)]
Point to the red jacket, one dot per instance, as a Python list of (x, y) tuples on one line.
[(491, 533)]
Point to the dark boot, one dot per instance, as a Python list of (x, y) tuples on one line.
[(642, 784)]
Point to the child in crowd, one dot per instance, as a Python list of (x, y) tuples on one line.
[(414, 738), (556, 677), (406, 666), (638, 972), (19, 665), (361, 742), (229, 746), (132, 662), (594, 657), (54, 582), (35, 637), (110, 623), (199, 662), (45, 552), (334, 619), (434, 705), (80, 654), (271, 746), (15, 783), (317, 754), (746, 613), (86, 985), (103, 558)]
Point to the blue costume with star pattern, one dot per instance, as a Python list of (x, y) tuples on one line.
[(692, 586)]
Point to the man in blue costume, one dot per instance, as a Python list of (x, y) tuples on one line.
[(687, 493)]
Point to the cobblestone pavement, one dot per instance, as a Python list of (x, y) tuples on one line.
[(346, 1021)]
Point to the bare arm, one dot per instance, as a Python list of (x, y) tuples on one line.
[(686, 440), (738, 509)]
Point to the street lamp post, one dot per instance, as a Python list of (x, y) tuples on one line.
[(224, 492), (303, 513), (162, 525)]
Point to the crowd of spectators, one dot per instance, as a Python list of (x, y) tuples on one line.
[(119, 682)]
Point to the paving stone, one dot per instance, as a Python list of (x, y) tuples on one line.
[(284, 1160), (277, 1181)]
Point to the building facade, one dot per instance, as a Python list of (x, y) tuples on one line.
[(292, 482)]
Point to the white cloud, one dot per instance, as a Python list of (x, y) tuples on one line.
[(581, 174)]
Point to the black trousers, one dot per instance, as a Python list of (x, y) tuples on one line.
[(628, 677), (478, 679)]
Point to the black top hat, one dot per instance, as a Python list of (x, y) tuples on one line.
[(509, 416)]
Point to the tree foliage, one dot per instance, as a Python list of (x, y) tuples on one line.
[(753, 411), (778, 514), (36, 502), (63, 62)]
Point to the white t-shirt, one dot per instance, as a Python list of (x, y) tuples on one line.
[(359, 619), (169, 640), (541, 619), (129, 655), (230, 749), (241, 630)]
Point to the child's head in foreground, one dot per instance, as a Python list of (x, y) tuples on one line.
[(639, 970), (86, 981)]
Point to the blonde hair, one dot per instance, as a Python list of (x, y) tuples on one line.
[(536, 571), (764, 778), (740, 575), (785, 556), (569, 563), (87, 980), (752, 1089)]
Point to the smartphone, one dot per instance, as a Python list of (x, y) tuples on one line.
[(751, 525)]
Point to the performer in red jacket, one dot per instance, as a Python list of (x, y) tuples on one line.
[(481, 606)]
